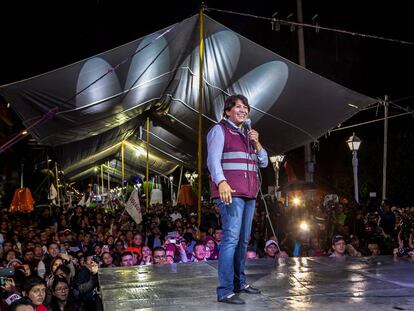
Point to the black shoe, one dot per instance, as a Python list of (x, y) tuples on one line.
[(233, 299), (249, 290)]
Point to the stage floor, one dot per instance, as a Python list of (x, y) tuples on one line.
[(319, 283)]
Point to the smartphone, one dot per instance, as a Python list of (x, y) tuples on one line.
[(173, 234), (173, 241)]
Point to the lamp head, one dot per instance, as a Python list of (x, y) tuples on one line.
[(353, 142), (276, 158)]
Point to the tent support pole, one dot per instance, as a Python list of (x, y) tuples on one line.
[(122, 166), (57, 184), (109, 185), (200, 114), (147, 166), (384, 160), (102, 178), (309, 156)]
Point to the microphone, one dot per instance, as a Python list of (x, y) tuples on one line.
[(248, 124)]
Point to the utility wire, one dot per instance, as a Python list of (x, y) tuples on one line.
[(372, 121), (316, 27)]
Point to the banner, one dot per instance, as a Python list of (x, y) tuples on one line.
[(133, 207)]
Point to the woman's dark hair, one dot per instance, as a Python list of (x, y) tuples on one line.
[(32, 282), (59, 279), (54, 260), (230, 102), (63, 268)]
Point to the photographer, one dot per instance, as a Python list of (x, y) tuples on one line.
[(86, 284), (387, 218), (405, 245), (9, 291), (175, 248)]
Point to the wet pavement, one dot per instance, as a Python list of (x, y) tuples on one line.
[(319, 283)]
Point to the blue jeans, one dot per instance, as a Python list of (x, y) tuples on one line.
[(236, 219)]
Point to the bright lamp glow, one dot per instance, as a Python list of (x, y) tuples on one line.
[(296, 201), (304, 226), (276, 158), (353, 142), (139, 151)]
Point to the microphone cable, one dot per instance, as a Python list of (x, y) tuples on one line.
[(267, 210), (260, 182)]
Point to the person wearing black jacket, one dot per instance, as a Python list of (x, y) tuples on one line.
[(86, 285)]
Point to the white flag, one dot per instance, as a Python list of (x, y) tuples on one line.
[(88, 201), (133, 207), (82, 201), (52, 193)]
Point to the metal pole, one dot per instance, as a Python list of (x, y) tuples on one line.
[(57, 183), (102, 179), (309, 163), (109, 184), (384, 163), (147, 167), (301, 42), (122, 165), (276, 168), (21, 176), (200, 113), (355, 166), (97, 180), (172, 192)]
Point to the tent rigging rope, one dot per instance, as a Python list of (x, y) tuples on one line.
[(316, 27)]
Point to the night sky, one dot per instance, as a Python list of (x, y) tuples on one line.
[(44, 35)]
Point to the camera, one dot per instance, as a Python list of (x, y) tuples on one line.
[(97, 259), (402, 251), (5, 273), (175, 241)]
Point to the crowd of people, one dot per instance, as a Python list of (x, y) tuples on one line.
[(56, 253)]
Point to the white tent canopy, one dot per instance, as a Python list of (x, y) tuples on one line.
[(85, 110)]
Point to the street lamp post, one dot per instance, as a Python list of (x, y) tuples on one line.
[(172, 190), (276, 161), (353, 143)]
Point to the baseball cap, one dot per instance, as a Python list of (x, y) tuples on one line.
[(270, 242), (337, 238)]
